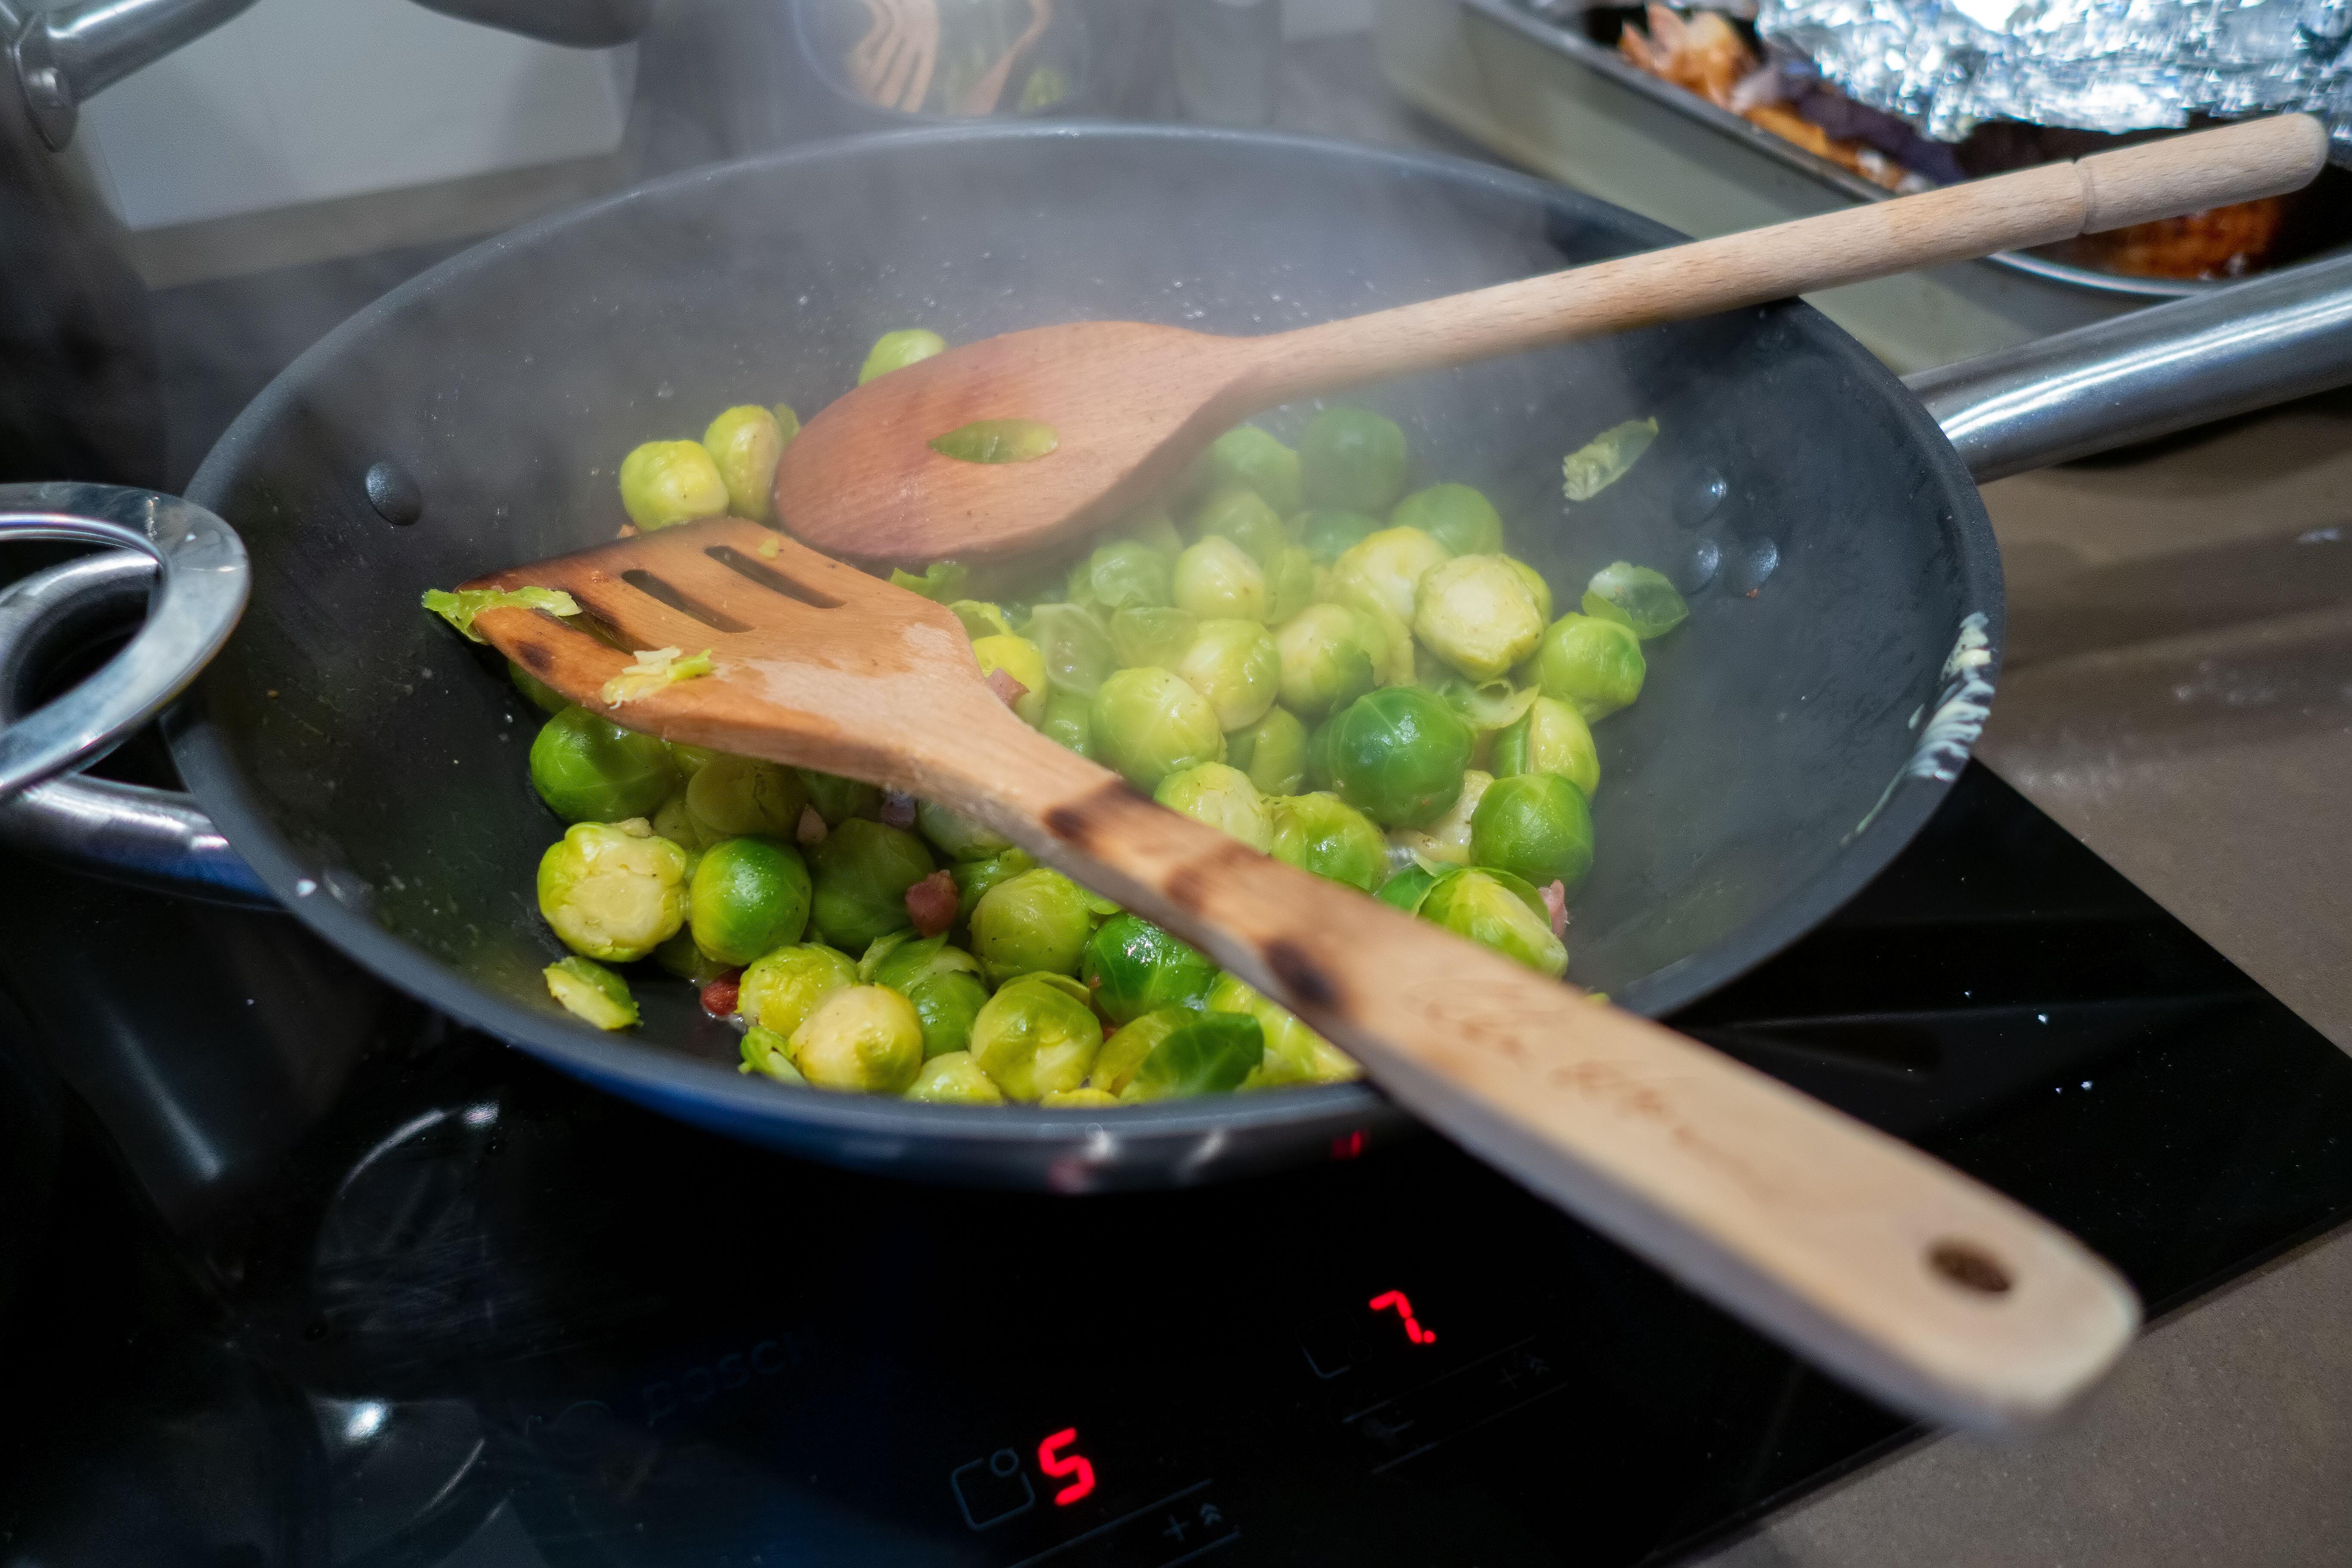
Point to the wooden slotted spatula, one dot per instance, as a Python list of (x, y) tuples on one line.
[(1131, 403), (1910, 1281)]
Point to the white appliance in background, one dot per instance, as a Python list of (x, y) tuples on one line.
[(301, 102)]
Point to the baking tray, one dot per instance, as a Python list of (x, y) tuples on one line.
[(1548, 98)]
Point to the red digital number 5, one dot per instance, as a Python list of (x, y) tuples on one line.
[(1060, 1465)]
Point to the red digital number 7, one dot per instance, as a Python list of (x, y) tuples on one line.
[(1060, 1465)]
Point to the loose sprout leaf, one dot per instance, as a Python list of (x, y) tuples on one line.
[(997, 441), (656, 668), (1635, 597), (1078, 651), (1487, 705), (980, 618), (461, 607), (1208, 1053), (589, 991), (1602, 461), (770, 548), (941, 580)]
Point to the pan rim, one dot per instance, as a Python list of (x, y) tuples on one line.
[(202, 753)]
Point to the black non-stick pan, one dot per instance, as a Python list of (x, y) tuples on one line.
[(369, 767)]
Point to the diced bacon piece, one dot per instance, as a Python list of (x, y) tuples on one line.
[(1555, 897), (1008, 691), (811, 829), (898, 810), (931, 903), (720, 996)]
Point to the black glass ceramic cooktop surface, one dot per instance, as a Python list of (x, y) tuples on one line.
[(299, 1274)]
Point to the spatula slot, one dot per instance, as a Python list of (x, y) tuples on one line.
[(768, 577), (653, 587)]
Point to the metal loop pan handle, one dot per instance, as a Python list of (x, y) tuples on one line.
[(203, 581), (187, 569)]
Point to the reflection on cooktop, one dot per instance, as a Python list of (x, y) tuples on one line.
[(321, 1279)]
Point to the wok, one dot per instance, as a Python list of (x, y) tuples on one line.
[(369, 769)]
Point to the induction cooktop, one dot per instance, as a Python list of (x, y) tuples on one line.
[(299, 1273)]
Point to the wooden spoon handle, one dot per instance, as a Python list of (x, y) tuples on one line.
[(2033, 206), (1896, 1273)]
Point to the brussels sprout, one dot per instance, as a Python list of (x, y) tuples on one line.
[(613, 890), (1325, 664), (1243, 516), (1446, 841), (592, 992), (980, 618), (667, 482), (1638, 597), (974, 878), (1550, 737), (897, 351), (1535, 827), (954, 1079), (745, 442), (1456, 516), (947, 1005), (1222, 797), (1294, 1053), (1272, 752), (765, 1051), (1408, 888), (1076, 649), (1235, 666), (1201, 1053), (1319, 773), (861, 872), (689, 759), (788, 424), (1155, 636), (1353, 459), (1024, 662), (838, 799), (544, 696), (1148, 724), (956, 836), (1322, 834), (1247, 456), (1398, 755), (1500, 911), (1132, 1041), (1218, 580), (1289, 585), (589, 769), (1070, 723), (1076, 1099), (1328, 534), (1539, 588), (903, 959), (781, 988), (1593, 665), (864, 1038), (1150, 526), (680, 957), (1035, 1037), (747, 896), (1476, 612), (1383, 573), (1133, 967), (1121, 574), (1037, 921), (731, 796)]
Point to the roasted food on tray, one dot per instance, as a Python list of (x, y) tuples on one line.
[(1714, 57), (1341, 670)]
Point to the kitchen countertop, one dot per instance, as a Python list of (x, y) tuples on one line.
[(2179, 696)]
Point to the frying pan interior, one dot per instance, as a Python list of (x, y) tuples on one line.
[(371, 767)]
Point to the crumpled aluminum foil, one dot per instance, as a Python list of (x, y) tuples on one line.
[(2095, 64)]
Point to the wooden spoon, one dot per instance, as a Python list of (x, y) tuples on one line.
[(1132, 402), (1936, 1294)]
